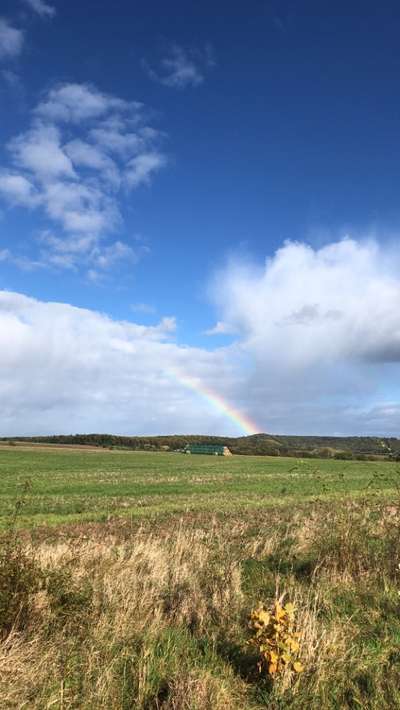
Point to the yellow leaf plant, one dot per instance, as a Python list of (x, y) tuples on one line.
[(276, 638)]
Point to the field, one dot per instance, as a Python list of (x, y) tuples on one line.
[(127, 580), (74, 485)]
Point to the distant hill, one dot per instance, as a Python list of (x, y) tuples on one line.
[(257, 444)]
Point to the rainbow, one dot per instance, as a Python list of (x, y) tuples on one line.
[(219, 403)]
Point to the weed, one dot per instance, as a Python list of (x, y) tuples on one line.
[(276, 638), (20, 579)]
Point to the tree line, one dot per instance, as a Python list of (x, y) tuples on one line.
[(343, 448)]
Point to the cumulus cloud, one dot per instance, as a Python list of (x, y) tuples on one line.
[(181, 68), (11, 40), (41, 7), (306, 306), (63, 367), (316, 351), (82, 153), (321, 328)]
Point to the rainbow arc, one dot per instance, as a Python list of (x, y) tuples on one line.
[(247, 425)]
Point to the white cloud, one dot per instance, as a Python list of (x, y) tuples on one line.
[(99, 374), (86, 155), (106, 257), (181, 68), (73, 245), (11, 40), (81, 148), (116, 135), (39, 151), (321, 330), (18, 189), (41, 7), (74, 103), (60, 260), (81, 208), (141, 169), (305, 306), (24, 263), (220, 328), (317, 351), (66, 253)]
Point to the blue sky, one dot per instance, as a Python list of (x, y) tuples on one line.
[(215, 192)]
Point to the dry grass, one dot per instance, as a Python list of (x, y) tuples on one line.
[(156, 617), (139, 590)]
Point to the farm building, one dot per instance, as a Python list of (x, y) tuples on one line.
[(215, 449)]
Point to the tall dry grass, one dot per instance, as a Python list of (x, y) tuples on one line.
[(157, 617)]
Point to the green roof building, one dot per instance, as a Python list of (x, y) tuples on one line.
[(213, 449)]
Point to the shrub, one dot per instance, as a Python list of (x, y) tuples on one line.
[(276, 638)]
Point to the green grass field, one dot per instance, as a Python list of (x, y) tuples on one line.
[(127, 580), (72, 485)]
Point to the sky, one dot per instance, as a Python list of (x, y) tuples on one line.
[(199, 217)]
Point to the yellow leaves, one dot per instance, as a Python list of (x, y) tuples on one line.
[(276, 638), (294, 645), (298, 667), (264, 617), (273, 657), (259, 618), (290, 610), (279, 612)]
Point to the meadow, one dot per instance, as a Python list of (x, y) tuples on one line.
[(128, 579), (72, 485)]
